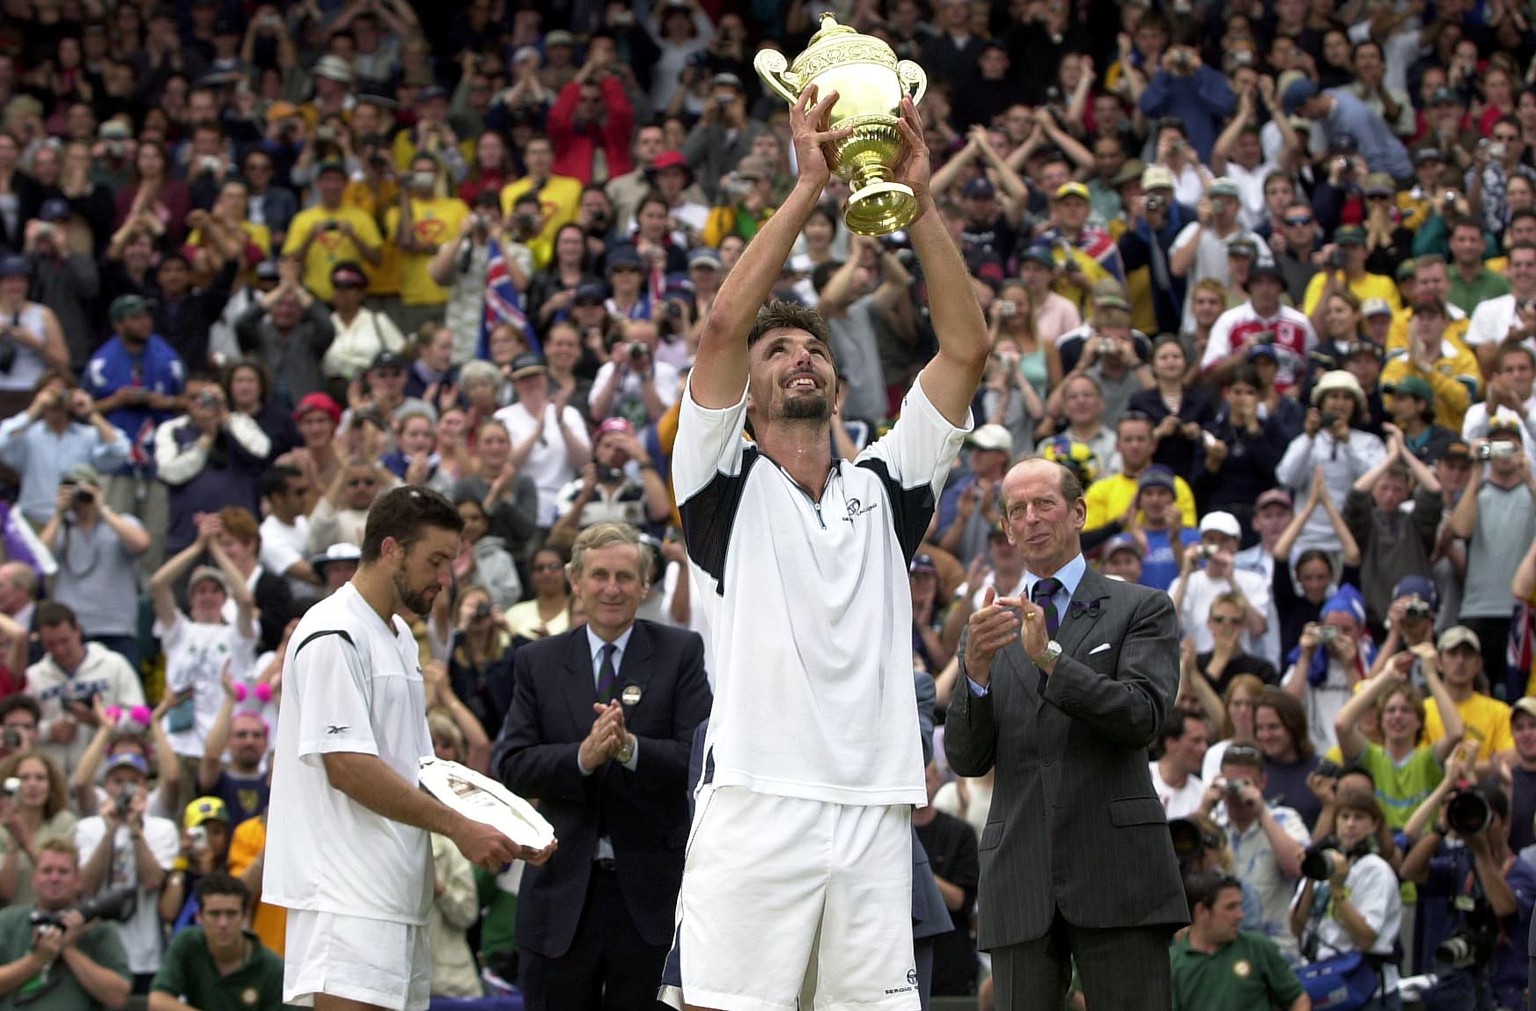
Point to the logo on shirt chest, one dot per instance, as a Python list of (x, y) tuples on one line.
[(858, 507)]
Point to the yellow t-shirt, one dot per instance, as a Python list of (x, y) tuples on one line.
[(330, 246), (559, 200), (404, 149), (434, 222), (1369, 286), (259, 236), (1109, 497), (1397, 334), (385, 278), (1486, 721)]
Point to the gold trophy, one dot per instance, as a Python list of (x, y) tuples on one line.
[(870, 85)]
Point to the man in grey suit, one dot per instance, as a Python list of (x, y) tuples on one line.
[(1066, 688)]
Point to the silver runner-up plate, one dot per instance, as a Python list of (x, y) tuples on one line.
[(485, 800)]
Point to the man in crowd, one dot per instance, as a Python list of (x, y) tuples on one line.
[(64, 960), (67, 683), (1218, 964), (1176, 774), (219, 964), (594, 923)]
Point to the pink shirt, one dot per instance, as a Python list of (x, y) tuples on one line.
[(1055, 317)]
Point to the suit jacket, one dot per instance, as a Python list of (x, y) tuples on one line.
[(1075, 823), (644, 812)]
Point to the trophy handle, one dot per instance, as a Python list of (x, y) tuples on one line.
[(910, 75), (773, 69)]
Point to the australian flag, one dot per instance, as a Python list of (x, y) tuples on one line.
[(503, 302)]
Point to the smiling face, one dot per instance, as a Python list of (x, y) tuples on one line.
[(610, 586), (1400, 721), (1039, 520), (792, 377)]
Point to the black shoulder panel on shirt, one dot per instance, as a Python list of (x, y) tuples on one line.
[(329, 631), (911, 508), (710, 516)]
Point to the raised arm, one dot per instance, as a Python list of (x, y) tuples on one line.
[(720, 367), (951, 377)]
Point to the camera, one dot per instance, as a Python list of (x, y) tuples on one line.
[(1264, 337), (1006, 307), (525, 221), (609, 475), (639, 351), (1235, 787), (1417, 609), (1207, 551), (1107, 346), (1327, 634), (209, 163), (1496, 450), (1328, 419), (1321, 858), (325, 133), (11, 738), (423, 180), (1467, 812), (330, 226), (208, 400), (1155, 202), (117, 905), (482, 610), (1181, 60), (11, 788), (1189, 840), (198, 837), (124, 801), (1450, 196), (1329, 769), (1338, 259), (82, 497)]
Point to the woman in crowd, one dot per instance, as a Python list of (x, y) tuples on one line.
[(1359, 906), (1280, 729), (248, 385), (37, 812), (562, 351), (1337, 321), (489, 170), (1207, 301), (1179, 411), (316, 418), (548, 612), (1022, 369), (151, 192), (510, 497), (552, 291), (1236, 722), (413, 459), (1315, 570), (479, 665), (819, 243), (483, 559), (480, 385)]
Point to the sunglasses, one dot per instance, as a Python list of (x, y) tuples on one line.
[(1296, 222), (625, 270)]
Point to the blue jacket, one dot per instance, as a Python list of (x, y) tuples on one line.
[(158, 369)]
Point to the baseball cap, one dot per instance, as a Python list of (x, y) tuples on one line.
[(330, 165), (1425, 155), (1407, 270), (431, 93), (1132, 170), (1375, 307), (704, 257), (980, 188), (55, 209), (1072, 189), (1296, 95), (1157, 177), (128, 760), (1444, 96), (559, 37), (1041, 255), (1349, 235), (613, 425), (1458, 635), (1456, 447), (128, 305), (529, 363), (1156, 476), (387, 359), (348, 275), (13, 266), (334, 68), (83, 473), (1379, 184), (1411, 386), (205, 809), (1263, 351), (1526, 705), (1274, 496), (1262, 269), (207, 572), (1417, 586), (993, 437), (923, 562), (1122, 542), (624, 256), (591, 293), (341, 551), (1220, 522), (318, 402), (670, 160), (1243, 247), (1224, 187)]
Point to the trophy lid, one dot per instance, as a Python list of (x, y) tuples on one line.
[(829, 29)]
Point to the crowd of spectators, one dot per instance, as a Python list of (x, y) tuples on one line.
[(1263, 274)]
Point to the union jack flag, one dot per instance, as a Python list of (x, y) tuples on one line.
[(503, 302)]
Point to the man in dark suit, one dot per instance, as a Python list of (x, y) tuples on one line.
[(599, 732), (1065, 688)]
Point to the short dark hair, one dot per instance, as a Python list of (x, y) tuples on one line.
[(1205, 887), (780, 314), (275, 480), (403, 514), (219, 883), (1177, 725), (11, 703), (51, 613), (1246, 374)]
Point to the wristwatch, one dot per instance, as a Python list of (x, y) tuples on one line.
[(628, 751), (1052, 652)]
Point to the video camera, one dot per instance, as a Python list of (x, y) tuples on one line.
[(117, 905)]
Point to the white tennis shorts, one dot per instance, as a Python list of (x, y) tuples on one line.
[(377, 962), (782, 895)]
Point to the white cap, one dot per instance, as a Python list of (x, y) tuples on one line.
[(1221, 523)]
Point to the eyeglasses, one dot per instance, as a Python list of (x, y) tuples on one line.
[(1294, 222)]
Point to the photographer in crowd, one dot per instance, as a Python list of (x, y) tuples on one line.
[(49, 952)]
